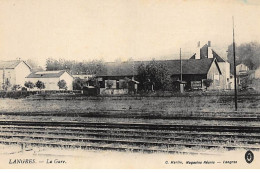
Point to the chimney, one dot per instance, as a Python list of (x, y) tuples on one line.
[(210, 53), (197, 56), (209, 43)]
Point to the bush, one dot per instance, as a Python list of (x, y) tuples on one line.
[(78, 84), (16, 87), (29, 85), (40, 85), (62, 84), (207, 82)]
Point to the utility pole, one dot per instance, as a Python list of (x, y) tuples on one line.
[(235, 73), (133, 68), (180, 65), (181, 84)]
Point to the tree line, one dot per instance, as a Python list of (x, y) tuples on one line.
[(246, 53), (86, 67)]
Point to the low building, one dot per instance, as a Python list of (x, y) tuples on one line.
[(194, 72), (13, 73), (241, 69), (207, 52), (51, 79), (85, 77), (243, 73), (204, 64)]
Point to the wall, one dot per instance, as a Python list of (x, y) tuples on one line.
[(8, 74), (231, 83), (213, 74), (69, 80), (241, 68), (50, 83), (113, 91), (225, 77), (83, 76), (21, 72)]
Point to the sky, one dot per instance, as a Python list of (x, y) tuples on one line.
[(122, 29)]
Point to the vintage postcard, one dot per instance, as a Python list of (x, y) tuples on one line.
[(155, 84)]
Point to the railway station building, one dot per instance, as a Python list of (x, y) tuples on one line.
[(194, 71), (207, 52), (204, 64)]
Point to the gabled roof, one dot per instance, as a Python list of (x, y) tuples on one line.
[(189, 66), (46, 74), (204, 54), (218, 58), (11, 64), (241, 64)]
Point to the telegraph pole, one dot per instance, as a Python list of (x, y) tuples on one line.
[(235, 73), (180, 65), (181, 84)]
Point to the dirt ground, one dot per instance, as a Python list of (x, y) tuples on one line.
[(72, 158), (166, 104)]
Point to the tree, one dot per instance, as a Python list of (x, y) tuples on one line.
[(93, 81), (52, 64), (163, 79), (40, 85), (16, 87), (62, 84), (154, 73), (86, 67), (247, 53), (34, 64), (7, 84), (78, 84), (207, 82), (109, 84), (124, 83), (29, 84)]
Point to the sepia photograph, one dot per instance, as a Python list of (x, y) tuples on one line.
[(129, 84)]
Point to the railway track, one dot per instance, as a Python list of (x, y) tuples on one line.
[(222, 116), (141, 137)]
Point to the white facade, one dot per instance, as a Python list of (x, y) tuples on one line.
[(225, 77), (51, 83), (241, 68), (14, 74), (214, 74), (21, 72), (83, 76)]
